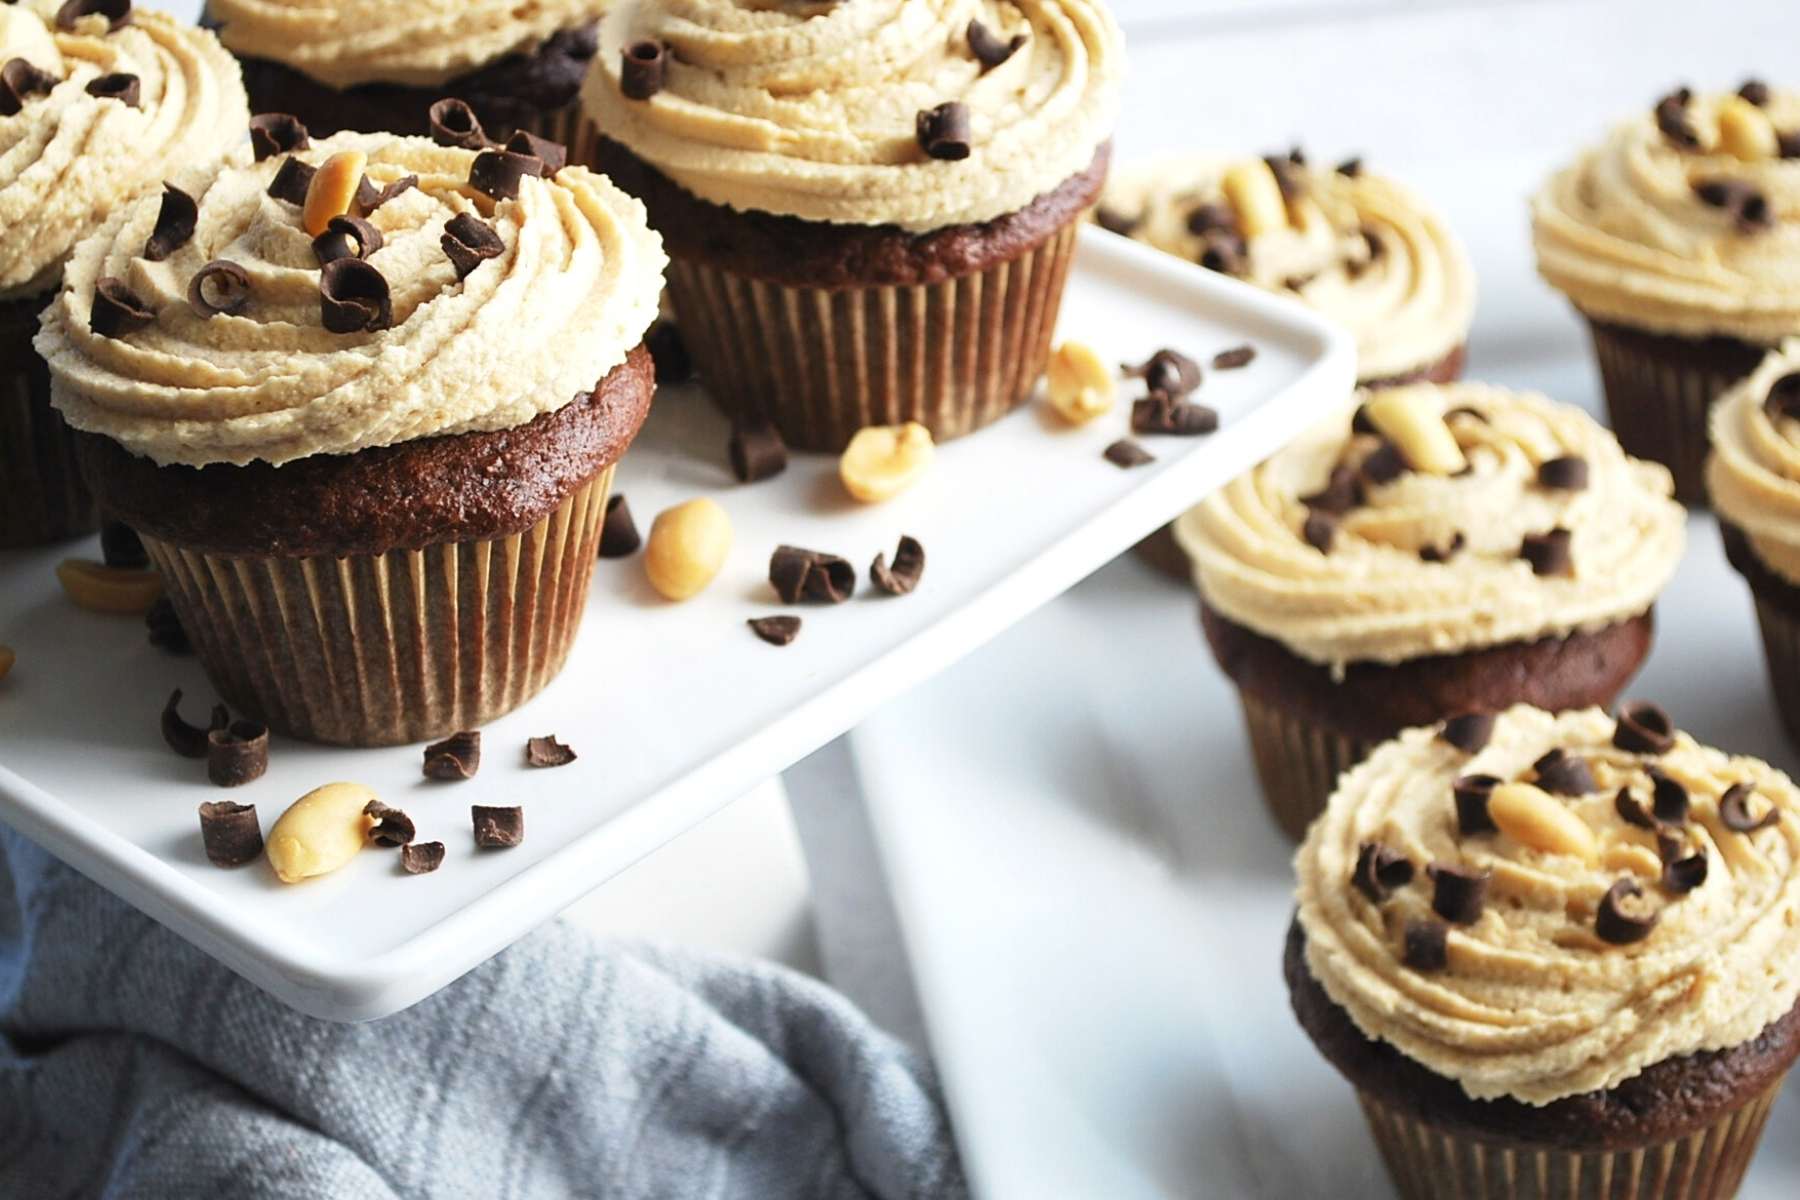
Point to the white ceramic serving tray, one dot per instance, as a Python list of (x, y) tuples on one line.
[(674, 709)]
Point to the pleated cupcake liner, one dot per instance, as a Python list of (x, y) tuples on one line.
[(1297, 762), (42, 496), (1781, 648), (1430, 1163), (394, 648), (560, 125)]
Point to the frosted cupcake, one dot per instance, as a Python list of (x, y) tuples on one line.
[(871, 208), (91, 116), (371, 461), (1678, 238), (1563, 963), (1441, 552)]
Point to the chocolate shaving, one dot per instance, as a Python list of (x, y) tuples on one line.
[(1126, 454), (1673, 121), (908, 568), (1114, 221), (1426, 945), (1287, 175), (277, 133), (1168, 373), (1787, 143), (1350, 168), (498, 173), (116, 12), (1472, 793), (346, 237), (547, 752), (1643, 728), (117, 310), (1568, 474), (1683, 875), (453, 123), (1613, 924), (1744, 202), (1459, 894), (1564, 774), (237, 754), (1548, 553), (469, 241), (1669, 801), (19, 81), (1212, 217), (1755, 91), (175, 223), (120, 546), (554, 155), (189, 741), (1469, 732), (1225, 252), (1157, 413), (1234, 358), (392, 827), (777, 631), (454, 759), (1341, 493), (219, 287), (1734, 811), (669, 352), (1319, 530), (1380, 871), (1383, 465), (230, 833), (618, 532), (1783, 399), (292, 181), (810, 577), (1446, 552), (126, 89), (497, 828), (987, 47), (756, 451), (353, 297), (642, 68), (369, 197), (421, 858), (944, 132), (1631, 810)]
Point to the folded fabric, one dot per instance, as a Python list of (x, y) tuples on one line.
[(133, 1065)]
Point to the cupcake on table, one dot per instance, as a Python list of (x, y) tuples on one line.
[(98, 105), (362, 401), (871, 208), (1563, 961), (1440, 552), (1678, 238)]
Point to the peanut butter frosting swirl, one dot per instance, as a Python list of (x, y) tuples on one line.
[(811, 110), (421, 43), (69, 157), (1543, 993), (1627, 235), (1421, 563), (1357, 247), (572, 287), (1754, 472)]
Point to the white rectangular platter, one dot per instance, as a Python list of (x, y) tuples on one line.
[(674, 709)]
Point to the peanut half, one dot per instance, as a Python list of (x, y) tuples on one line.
[(1081, 385), (1745, 131), (687, 548), (333, 188), (1413, 419), (884, 460), (121, 591), (1535, 818), (320, 832), (1255, 196)]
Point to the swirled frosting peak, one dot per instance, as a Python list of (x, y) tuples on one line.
[(1754, 472), (1663, 921), (811, 110), (1357, 247), (1685, 220), (1342, 552), (566, 281), (68, 156)]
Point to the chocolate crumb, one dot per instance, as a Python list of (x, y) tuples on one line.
[(497, 828), (1426, 945), (1472, 793), (1548, 553), (277, 133), (777, 631), (220, 288), (230, 833), (1567, 474), (756, 451), (1379, 871), (175, 224), (454, 759), (642, 68), (1459, 894), (237, 754), (908, 568), (421, 858), (1234, 358), (118, 310), (809, 576), (1614, 924), (1564, 774), (1126, 454), (1734, 811), (1469, 732), (292, 181), (392, 827), (619, 536), (944, 132), (1644, 728), (454, 123), (547, 752)]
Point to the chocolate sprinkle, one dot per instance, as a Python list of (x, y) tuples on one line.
[(116, 12), (669, 352), (944, 132), (1784, 398), (908, 568), (641, 69), (1379, 871), (1158, 413), (219, 287), (175, 222), (454, 123), (1616, 926), (756, 451), (1564, 774), (1469, 732), (1126, 454), (1568, 474), (392, 827), (277, 133), (230, 833), (1232, 359), (1383, 465), (547, 752), (1444, 553), (237, 754), (1734, 811), (19, 81), (1426, 945), (497, 828), (120, 546), (346, 237), (1682, 875), (1459, 894), (619, 535), (117, 310), (469, 241), (498, 173), (126, 89), (810, 577), (1320, 530), (1669, 801), (292, 181), (1341, 493), (189, 741), (1472, 793), (554, 155), (421, 858), (777, 631), (1548, 553), (1643, 728), (353, 297), (988, 49), (1169, 373), (454, 759), (1631, 810), (1755, 91)]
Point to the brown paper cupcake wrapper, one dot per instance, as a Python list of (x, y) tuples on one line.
[(1431, 1164), (1781, 646), (560, 125), (378, 650), (42, 497), (1297, 762)]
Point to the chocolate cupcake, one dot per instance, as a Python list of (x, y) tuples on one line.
[(91, 116), (871, 208), (371, 463), (1678, 240), (1563, 962), (1440, 552), (378, 66)]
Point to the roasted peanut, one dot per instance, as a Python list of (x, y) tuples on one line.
[(1256, 197), (884, 460), (687, 547), (1413, 419), (1745, 131), (333, 188), (1533, 817), (320, 832), (122, 591), (1081, 385)]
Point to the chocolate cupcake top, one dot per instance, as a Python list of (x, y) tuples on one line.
[(1434, 520), (1754, 472), (1357, 247), (92, 116), (1551, 909), (916, 113), (421, 43), (1686, 220), (227, 322)]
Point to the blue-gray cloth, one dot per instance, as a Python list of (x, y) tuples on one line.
[(131, 1065)]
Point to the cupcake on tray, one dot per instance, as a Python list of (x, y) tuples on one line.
[(1678, 238), (1563, 962), (377, 65), (1440, 552), (92, 114), (364, 408), (871, 208)]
